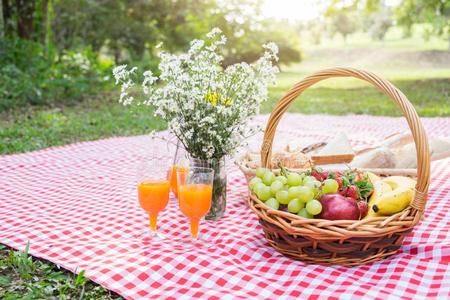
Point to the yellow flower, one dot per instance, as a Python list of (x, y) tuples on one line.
[(227, 102), (212, 98)]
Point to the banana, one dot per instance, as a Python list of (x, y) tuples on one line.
[(380, 188), (373, 177), (391, 195), (400, 181), (393, 202)]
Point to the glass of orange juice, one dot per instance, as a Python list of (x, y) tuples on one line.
[(172, 176), (194, 195), (153, 189), (180, 164)]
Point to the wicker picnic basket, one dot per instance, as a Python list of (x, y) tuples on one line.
[(344, 242)]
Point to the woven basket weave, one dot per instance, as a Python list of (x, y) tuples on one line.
[(345, 242)]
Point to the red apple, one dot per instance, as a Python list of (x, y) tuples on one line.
[(338, 207)]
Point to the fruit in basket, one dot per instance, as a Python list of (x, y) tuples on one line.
[(373, 177), (305, 214), (380, 188), (294, 179), (329, 195), (253, 182), (338, 207), (309, 179), (257, 186), (319, 175), (391, 195), (295, 205), (276, 186), (294, 192), (282, 197), (273, 203), (263, 192), (268, 178), (282, 178), (330, 186), (363, 208), (351, 191), (400, 181), (306, 194), (393, 202), (314, 207), (261, 171), (314, 184)]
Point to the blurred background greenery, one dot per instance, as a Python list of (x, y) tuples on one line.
[(56, 57)]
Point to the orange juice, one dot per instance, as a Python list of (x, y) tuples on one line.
[(153, 197), (195, 202), (172, 176)]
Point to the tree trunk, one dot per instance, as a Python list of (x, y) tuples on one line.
[(25, 10), (2, 24), (43, 25), (116, 51), (7, 14)]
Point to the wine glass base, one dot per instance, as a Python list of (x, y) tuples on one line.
[(198, 243), (149, 234)]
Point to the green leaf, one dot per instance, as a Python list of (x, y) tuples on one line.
[(5, 281), (56, 276), (80, 280)]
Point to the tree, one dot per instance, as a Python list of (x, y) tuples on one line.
[(8, 11), (25, 11), (343, 24), (408, 12), (2, 25), (380, 22), (434, 12)]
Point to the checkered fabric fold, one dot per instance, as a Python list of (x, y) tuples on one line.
[(77, 207)]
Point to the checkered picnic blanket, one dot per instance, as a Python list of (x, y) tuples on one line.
[(77, 207)]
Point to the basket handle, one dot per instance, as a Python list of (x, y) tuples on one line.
[(418, 132)]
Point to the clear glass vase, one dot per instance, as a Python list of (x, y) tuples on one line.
[(219, 197)]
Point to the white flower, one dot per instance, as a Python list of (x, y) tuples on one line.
[(215, 31), (149, 79), (207, 107), (120, 73), (272, 48)]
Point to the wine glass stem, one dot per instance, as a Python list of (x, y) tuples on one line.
[(153, 219), (194, 228)]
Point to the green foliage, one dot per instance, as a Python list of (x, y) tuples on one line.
[(407, 13), (434, 12), (22, 263), (22, 277), (379, 23), (344, 24), (33, 74), (60, 62)]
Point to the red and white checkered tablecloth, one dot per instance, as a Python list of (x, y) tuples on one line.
[(77, 207)]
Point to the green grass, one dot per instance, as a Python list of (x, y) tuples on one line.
[(430, 96), (37, 128), (23, 277)]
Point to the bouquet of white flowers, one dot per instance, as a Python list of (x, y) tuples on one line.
[(206, 106)]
